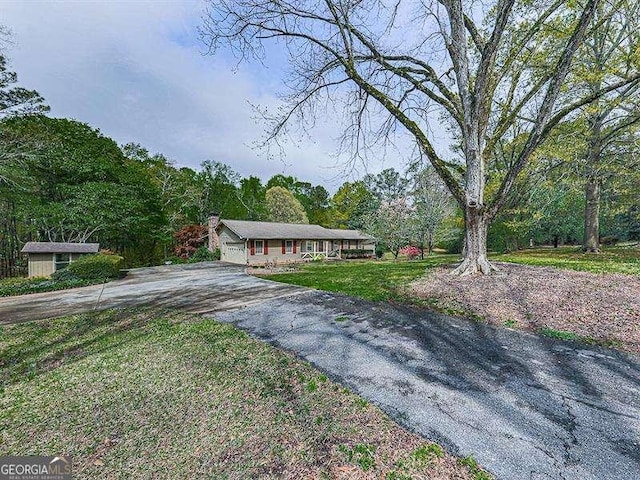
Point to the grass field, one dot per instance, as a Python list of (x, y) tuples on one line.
[(383, 279), (370, 279), (143, 394), (611, 260)]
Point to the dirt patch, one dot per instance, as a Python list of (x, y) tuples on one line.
[(603, 307)]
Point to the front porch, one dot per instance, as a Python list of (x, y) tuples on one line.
[(335, 254)]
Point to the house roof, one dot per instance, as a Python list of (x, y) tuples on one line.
[(350, 234), (60, 247), (282, 231)]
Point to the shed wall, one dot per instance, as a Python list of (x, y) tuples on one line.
[(40, 264)]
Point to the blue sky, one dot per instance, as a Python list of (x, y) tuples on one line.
[(136, 71)]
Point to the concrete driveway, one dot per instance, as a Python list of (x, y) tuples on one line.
[(200, 288), (525, 407)]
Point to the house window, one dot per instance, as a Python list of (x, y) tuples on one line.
[(259, 246), (62, 260), (288, 246), (309, 245)]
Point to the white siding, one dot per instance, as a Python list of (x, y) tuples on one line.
[(232, 248), (40, 264)]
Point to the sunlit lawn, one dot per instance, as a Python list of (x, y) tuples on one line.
[(382, 279), (610, 260), (370, 279), (146, 394)]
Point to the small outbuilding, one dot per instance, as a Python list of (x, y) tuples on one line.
[(48, 257)]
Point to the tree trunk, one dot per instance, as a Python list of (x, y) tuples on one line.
[(591, 242), (474, 258)]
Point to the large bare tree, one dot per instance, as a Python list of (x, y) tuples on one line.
[(473, 67)]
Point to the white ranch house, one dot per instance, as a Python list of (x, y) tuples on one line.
[(256, 243)]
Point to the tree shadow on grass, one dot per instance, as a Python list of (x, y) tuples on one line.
[(34, 348)]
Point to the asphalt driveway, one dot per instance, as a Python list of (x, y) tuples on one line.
[(525, 407)]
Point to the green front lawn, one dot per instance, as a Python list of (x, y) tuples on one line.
[(370, 279), (145, 394), (384, 279), (611, 260)]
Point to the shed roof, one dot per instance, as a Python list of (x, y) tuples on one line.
[(281, 231), (60, 247)]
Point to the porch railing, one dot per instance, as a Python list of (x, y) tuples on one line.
[(321, 255)]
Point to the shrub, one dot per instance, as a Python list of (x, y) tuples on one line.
[(190, 238), (22, 286), (411, 252), (609, 240), (203, 254), (96, 267), (64, 275), (357, 253), (452, 245), (379, 251)]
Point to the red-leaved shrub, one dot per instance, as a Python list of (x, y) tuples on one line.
[(410, 252), (189, 238)]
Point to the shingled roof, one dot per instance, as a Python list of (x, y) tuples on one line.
[(282, 231), (342, 234), (60, 247)]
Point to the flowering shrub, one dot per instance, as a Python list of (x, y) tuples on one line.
[(410, 252)]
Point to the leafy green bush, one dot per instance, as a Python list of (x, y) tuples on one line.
[(202, 254), (22, 286), (609, 240), (96, 267), (452, 245), (64, 275), (357, 253)]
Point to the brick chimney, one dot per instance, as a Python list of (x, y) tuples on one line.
[(214, 241)]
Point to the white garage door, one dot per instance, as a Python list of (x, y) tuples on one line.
[(234, 253)]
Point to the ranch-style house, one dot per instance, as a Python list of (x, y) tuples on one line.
[(256, 243)]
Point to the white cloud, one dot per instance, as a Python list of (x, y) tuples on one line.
[(136, 71)]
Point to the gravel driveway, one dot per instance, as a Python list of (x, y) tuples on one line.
[(525, 407)]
